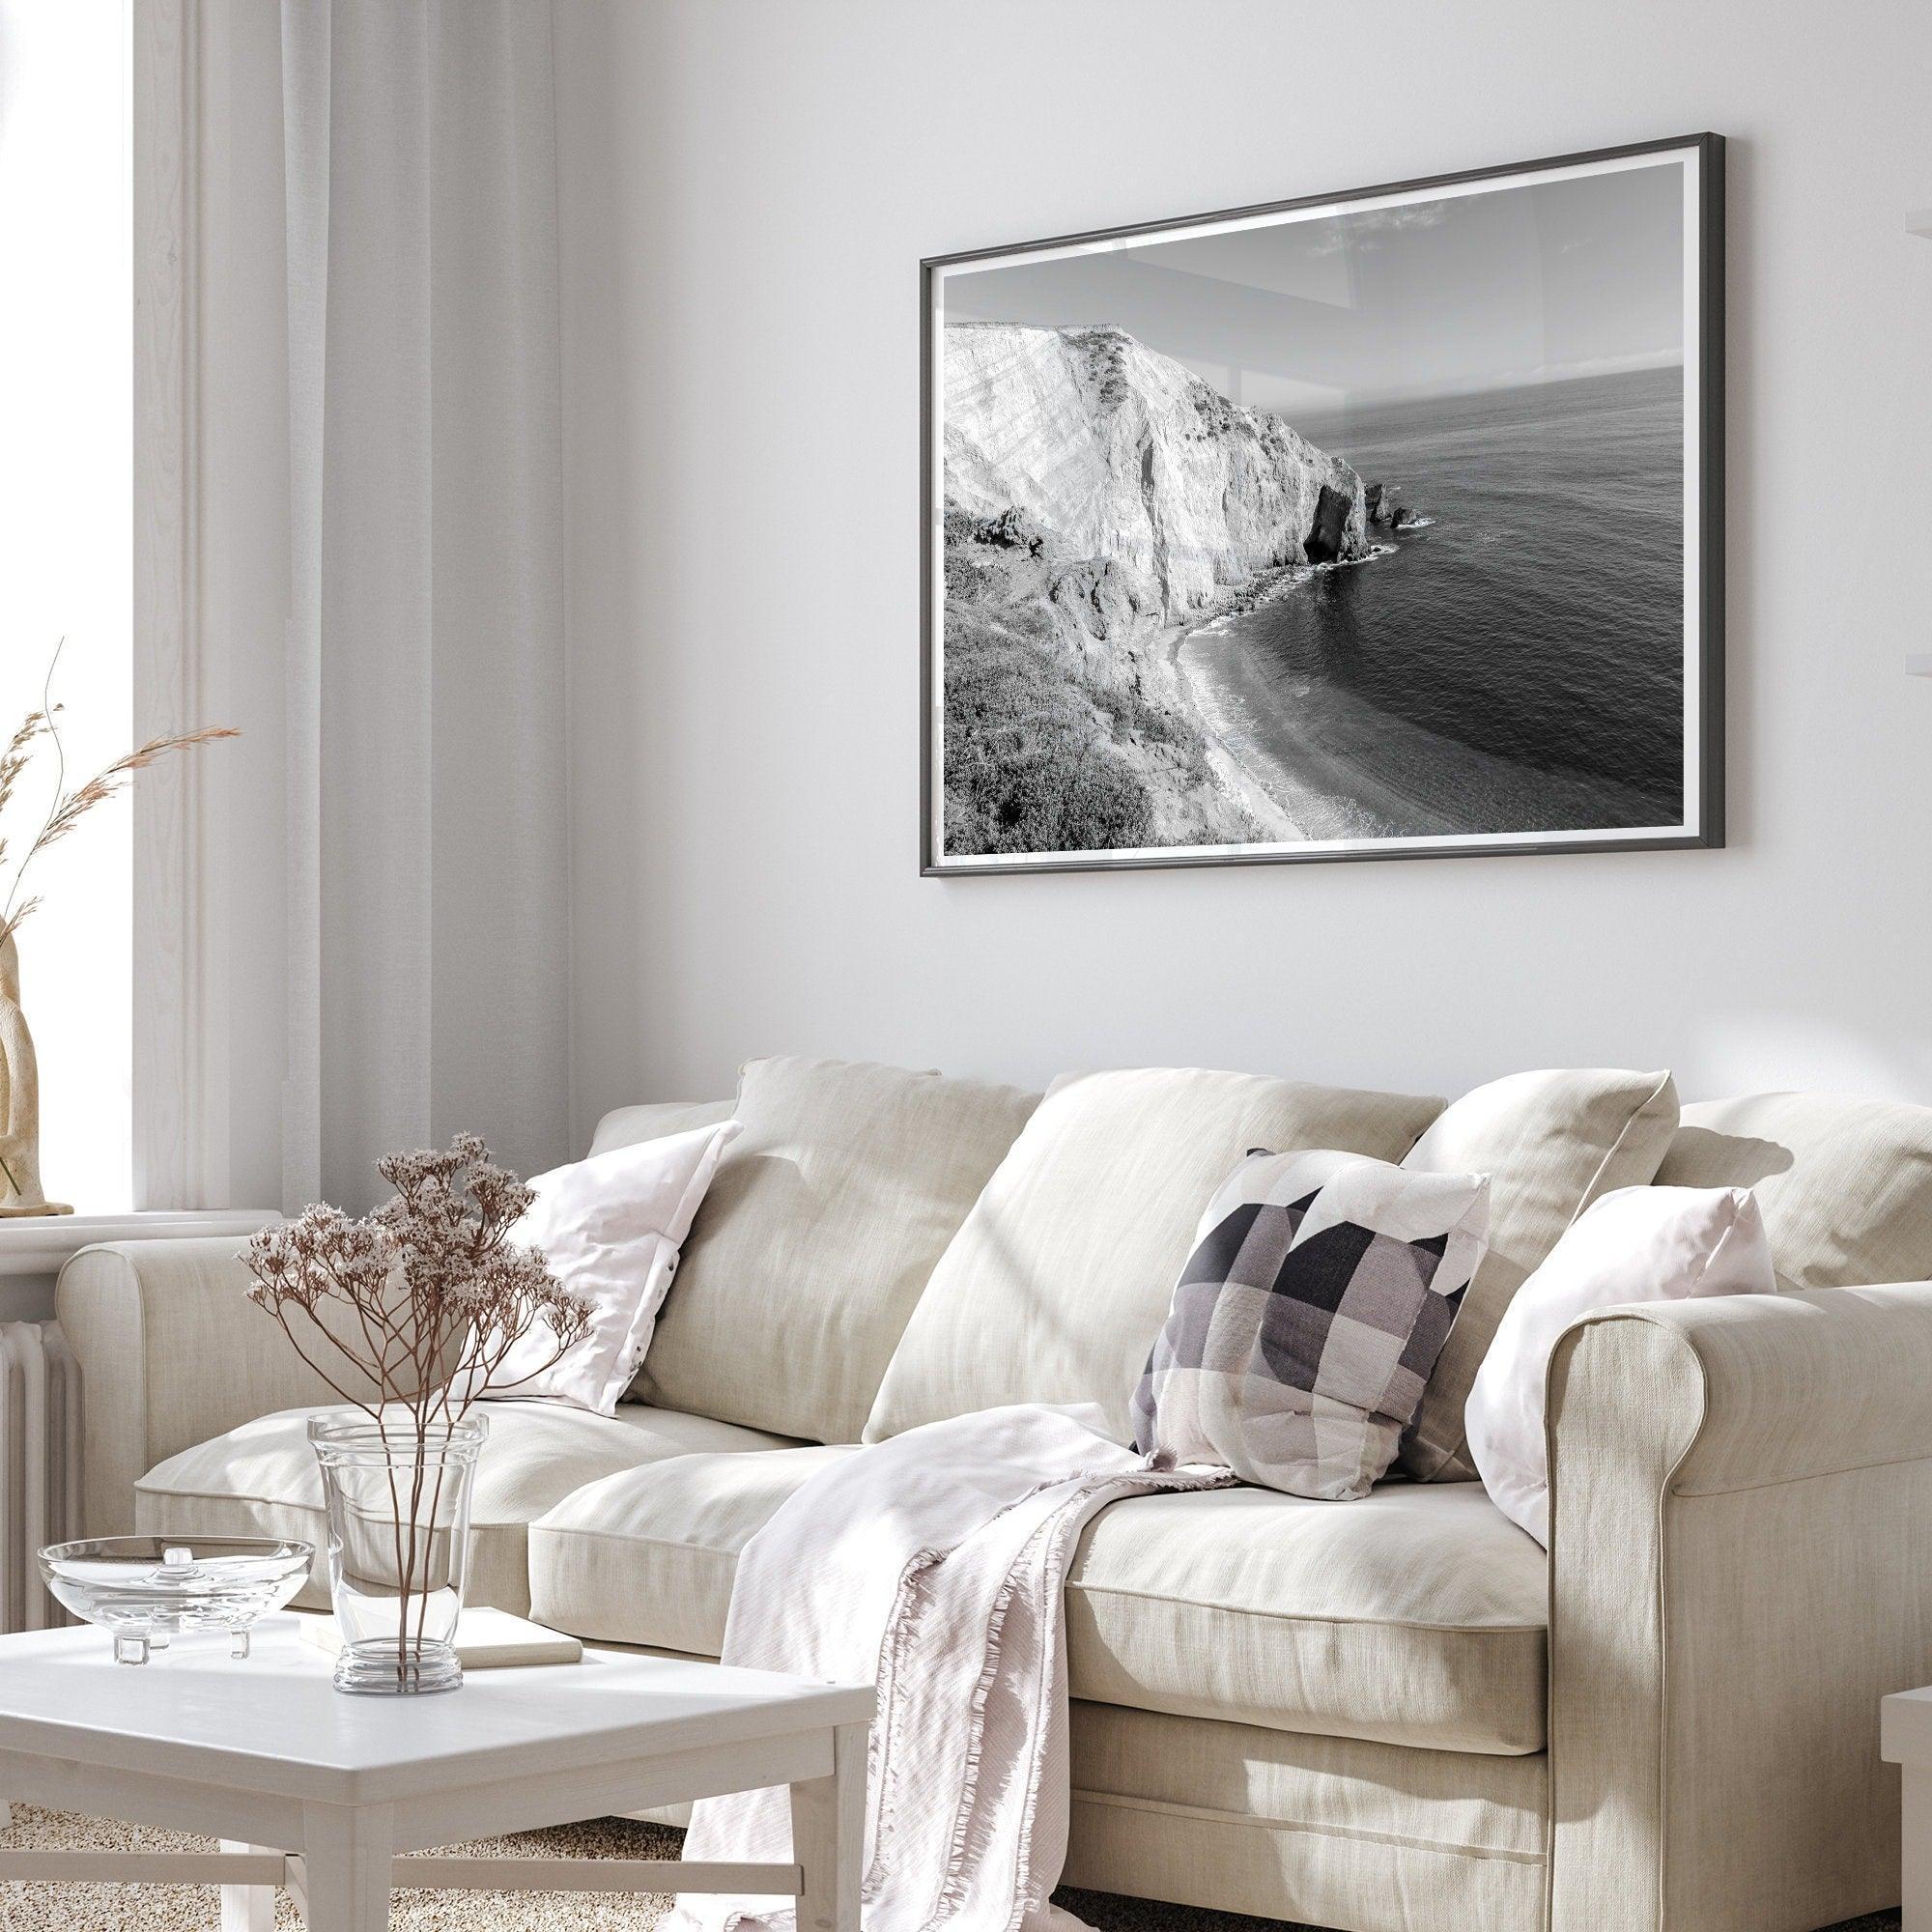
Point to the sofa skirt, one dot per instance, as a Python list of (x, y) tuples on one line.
[(1324, 1831), (1334, 1832)]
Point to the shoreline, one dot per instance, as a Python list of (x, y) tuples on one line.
[(1273, 820), (1331, 794), (1299, 817), (1339, 767)]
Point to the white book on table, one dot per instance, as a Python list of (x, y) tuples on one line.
[(486, 1640)]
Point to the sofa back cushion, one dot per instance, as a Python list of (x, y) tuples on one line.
[(818, 1233), (1057, 1284), (628, 1127), (1844, 1185), (1550, 1142)]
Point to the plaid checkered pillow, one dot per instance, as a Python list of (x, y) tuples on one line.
[(1305, 1323)]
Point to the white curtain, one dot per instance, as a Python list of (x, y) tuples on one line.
[(427, 928)]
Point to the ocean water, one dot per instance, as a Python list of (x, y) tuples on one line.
[(1514, 665)]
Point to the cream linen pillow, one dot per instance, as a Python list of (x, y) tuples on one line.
[(1637, 1244), (610, 1228), (825, 1220), (1060, 1280), (1845, 1184), (1551, 1143)]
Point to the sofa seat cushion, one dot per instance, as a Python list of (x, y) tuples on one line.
[(651, 1562), (1415, 1616), (261, 1479)]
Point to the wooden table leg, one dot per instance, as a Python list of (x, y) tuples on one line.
[(344, 1876), (827, 1831), (246, 1908)]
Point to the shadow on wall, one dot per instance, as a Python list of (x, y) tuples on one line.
[(1796, 1051)]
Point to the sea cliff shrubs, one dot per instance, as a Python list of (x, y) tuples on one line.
[(1052, 741), (1030, 767)]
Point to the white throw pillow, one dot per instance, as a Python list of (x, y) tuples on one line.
[(1551, 1143), (1637, 1244), (611, 1227)]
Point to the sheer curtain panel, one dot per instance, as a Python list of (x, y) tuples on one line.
[(424, 702)]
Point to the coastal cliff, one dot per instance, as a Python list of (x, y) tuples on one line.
[(1124, 456), (1099, 500)]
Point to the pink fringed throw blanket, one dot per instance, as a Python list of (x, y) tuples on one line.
[(933, 1562)]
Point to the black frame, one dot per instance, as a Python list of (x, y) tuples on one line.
[(1709, 351)]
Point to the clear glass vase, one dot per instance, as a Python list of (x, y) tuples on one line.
[(398, 1495)]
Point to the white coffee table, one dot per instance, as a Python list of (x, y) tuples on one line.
[(320, 1792), (1905, 1739)]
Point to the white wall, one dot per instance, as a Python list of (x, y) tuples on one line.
[(746, 187)]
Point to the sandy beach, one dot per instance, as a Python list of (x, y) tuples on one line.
[(1315, 790), (1185, 695)]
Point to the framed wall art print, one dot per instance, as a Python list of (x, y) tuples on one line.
[(1376, 524)]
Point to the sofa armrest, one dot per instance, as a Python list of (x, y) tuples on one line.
[(1741, 1567), (171, 1352)]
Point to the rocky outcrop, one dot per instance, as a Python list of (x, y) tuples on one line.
[(1328, 534), (1386, 506), (1105, 598), (1111, 455), (1010, 530)]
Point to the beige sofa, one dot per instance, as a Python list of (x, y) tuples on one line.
[(1390, 1714)]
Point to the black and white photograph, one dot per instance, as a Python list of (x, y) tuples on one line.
[(1381, 525)]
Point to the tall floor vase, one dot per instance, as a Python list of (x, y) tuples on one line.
[(21, 1191)]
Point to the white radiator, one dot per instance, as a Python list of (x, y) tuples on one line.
[(40, 1466)]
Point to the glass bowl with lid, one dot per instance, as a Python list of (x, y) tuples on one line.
[(146, 1590)]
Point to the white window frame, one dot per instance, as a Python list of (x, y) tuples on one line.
[(179, 1153)]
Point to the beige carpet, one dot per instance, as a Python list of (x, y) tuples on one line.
[(194, 1908), (111, 1908)]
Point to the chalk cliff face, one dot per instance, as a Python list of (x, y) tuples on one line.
[(1121, 457), (1098, 501)]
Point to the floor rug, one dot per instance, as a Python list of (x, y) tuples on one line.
[(188, 1908)]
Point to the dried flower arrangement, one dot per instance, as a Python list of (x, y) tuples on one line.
[(19, 1076), (425, 1296), (436, 1291), (69, 807)]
